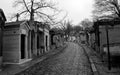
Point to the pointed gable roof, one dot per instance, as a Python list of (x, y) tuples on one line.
[(2, 15)]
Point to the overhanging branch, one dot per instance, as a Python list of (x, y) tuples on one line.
[(26, 6)]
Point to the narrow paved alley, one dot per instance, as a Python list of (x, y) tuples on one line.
[(72, 61)]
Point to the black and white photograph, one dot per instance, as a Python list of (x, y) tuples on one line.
[(60, 37)]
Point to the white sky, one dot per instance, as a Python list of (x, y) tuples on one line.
[(77, 9)]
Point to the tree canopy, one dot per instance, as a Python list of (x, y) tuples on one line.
[(42, 10), (107, 8), (86, 23)]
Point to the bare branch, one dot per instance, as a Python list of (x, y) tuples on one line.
[(17, 2), (45, 7), (34, 7), (61, 20), (41, 16), (41, 6), (117, 9), (26, 6), (107, 6), (23, 12)]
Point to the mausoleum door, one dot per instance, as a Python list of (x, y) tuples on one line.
[(23, 46), (46, 42)]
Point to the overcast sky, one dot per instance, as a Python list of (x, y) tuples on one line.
[(77, 9)]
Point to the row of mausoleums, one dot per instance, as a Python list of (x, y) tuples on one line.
[(24, 40), (106, 33)]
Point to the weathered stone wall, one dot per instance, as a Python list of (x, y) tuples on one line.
[(11, 47), (114, 36)]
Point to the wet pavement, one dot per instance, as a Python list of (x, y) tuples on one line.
[(71, 61)]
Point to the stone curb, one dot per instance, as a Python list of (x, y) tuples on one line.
[(93, 67)]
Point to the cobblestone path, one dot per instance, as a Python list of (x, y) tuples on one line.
[(72, 61)]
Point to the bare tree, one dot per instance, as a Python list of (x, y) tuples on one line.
[(109, 8), (44, 10), (77, 29), (66, 27), (86, 23)]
